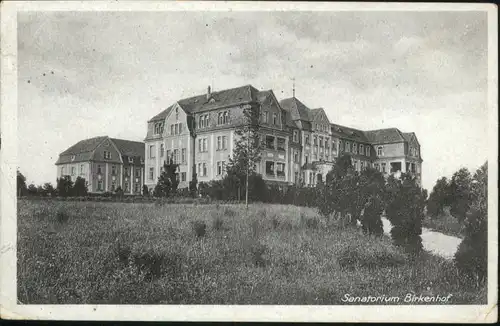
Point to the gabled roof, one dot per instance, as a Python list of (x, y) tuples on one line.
[(296, 109), (224, 98), (348, 133), (381, 136), (83, 146), (314, 112), (83, 150), (262, 96), (129, 148)]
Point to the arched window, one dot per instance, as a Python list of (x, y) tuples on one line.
[(379, 150)]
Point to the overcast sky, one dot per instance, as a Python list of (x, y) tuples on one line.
[(101, 73)]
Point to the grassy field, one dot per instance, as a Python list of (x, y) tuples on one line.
[(111, 253)]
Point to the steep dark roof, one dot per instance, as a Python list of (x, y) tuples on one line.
[(348, 133), (129, 148), (162, 115), (296, 109), (381, 136), (314, 112), (227, 97), (83, 146)]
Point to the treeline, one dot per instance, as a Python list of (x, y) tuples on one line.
[(65, 187)]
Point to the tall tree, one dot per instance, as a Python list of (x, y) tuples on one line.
[(247, 148), (22, 188), (49, 189), (439, 198), (370, 196), (460, 194), (32, 190), (80, 188), (405, 211), (168, 181), (471, 257), (65, 186), (337, 191)]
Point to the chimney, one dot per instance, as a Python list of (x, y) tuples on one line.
[(208, 93)]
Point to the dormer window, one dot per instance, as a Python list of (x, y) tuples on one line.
[(107, 155), (380, 150), (158, 128), (130, 159), (72, 158)]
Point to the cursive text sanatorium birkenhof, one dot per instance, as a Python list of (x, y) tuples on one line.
[(408, 298)]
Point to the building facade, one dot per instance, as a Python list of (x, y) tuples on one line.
[(105, 163), (300, 144)]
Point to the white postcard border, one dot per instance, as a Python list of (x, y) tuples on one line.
[(10, 309)]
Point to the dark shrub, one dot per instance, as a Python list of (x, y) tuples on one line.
[(258, 251), (62, 216), (154, 264), (200, 228)]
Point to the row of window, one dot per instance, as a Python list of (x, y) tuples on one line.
[(151, 175), (270, 142), (321, 127), (320, 140), (99, 170), (73, 170), (177, 156), (176, 129), (322, 156), (222, 119), (275, 168), (126, 188), (158, 128), (363, 149), (220, 170)]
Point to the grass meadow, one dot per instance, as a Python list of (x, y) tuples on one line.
[(138, 253)]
